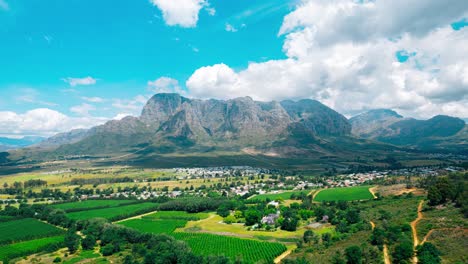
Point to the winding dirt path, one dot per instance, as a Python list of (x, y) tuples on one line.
[(134, 217), (372, 191), (415, 231), (385, 255), (415, 223), (385, 248), (315, 194), (282, 256)]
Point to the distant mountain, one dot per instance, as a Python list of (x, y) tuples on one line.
[(171, 123), (173, 130), (387, 126), (374, 123), (64, 138), (14, 143)]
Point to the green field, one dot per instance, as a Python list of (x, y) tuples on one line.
[(344, 194), (90, 204), (154, 226), (250, 251), (177, 215), (276, 196), (25, 229), (114, 212), (20, 249)]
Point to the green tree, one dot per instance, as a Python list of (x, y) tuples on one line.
[(353, 255), (378, 236), (428, 254), (252, 217), (72, 241), (403, 252), (89, 242), (309, 236), (326, 239)]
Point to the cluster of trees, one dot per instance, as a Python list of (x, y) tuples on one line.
[(192, 204), (39, 211), (398, 235), (346, 218), (453, 188), (357, 255)]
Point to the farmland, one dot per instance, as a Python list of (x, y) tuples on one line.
[(344, 194), (248, 250), (11, 251), (177, 215), (25, 229), (154, 226), (277, 196), (114, 213), (90, 204)]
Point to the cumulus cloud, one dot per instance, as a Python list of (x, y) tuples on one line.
[(346, 20), (182, 13), (343, 54), (165, 85), (43, 122), (80, 81)]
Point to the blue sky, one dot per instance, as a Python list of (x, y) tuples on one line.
[(78, 63), (122, 44)]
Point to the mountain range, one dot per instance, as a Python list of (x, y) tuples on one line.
[(175, 125), (14, 143), (438, 132)]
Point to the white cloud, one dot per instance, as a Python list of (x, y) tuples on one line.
[(80, 81), (82, 109), (164, 85), (345, 20), (43, 122), (4, 5), (337, 53), (230, 28), (93, 99), (121, 116), (182, 13)]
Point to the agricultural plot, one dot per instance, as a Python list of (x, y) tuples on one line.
[(250, 251), (90, 204), (276, 196), (154, 226), (8, 252), (344, 194), (25, 229), (177, 215), (114, 213)]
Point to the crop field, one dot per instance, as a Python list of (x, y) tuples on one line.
[(90, 204), (177, 215), (344, 194), (114, 212), (25, 229), (276, 196), (250, 251), (154, 226), (11, 251)]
